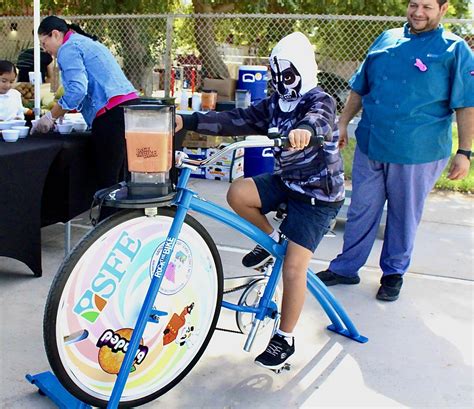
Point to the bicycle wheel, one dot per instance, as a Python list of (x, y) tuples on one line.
[(96, 297)]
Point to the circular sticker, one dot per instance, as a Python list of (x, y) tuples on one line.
[(179, 268)]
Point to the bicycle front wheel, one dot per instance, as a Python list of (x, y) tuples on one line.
[(98, 292)]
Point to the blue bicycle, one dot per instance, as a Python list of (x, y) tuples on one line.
[(133, 307)]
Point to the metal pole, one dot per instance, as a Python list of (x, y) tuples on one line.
[(36, 57), (168, 62), (67, 238)]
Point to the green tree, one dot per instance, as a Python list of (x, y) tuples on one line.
[(139, 45)]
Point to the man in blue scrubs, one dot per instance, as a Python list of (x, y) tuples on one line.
[(412, 81)]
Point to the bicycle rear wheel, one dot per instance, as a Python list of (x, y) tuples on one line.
[(96, 297)]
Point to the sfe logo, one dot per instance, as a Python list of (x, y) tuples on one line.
[(106, 281)]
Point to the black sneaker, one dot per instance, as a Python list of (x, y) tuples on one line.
[(257, 257), (276, 354), (390, 287), (329, 278)]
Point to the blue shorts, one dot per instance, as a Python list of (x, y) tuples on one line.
[(305, 223)]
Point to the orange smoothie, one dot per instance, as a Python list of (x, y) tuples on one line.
[(149, 152)]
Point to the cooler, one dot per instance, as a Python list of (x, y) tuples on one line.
[(258, 161), (254, 79)]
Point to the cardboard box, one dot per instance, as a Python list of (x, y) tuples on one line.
[(196, 153), (199, 173), (229, 173), (225, 88), (206, 142), (227, 159)]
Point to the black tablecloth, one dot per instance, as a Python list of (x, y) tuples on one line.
[(24, 166), (43, 180), (71, 182)]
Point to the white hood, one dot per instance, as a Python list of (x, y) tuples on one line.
[(293, 52)]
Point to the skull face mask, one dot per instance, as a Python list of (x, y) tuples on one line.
[(293, 68), (285, 79)]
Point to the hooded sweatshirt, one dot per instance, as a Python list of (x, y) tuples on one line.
[(316, 172)]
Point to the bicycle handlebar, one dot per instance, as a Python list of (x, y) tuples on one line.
[(261, 142)]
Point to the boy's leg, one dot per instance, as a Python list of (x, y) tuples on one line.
[(295, 267), (303, 241), (244, 199), (253, 198), (282, 344)]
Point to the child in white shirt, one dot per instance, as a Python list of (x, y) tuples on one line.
[(11, 106)]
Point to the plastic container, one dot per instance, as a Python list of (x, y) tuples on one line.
[(242, 98), (148, 133), (208, 99), (64, 128), (18, 122), (22, 131), (6, 124), (254, 79), (79, 126), (196, 102), (10, 135), (258, 161), (184, 100), (149, 139)]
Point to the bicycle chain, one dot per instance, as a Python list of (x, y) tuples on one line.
[(233, 290), (233, 331)]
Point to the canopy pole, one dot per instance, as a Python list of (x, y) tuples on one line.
[(37, 58)]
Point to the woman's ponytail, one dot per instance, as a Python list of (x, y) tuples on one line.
[(80, 31), (51, 23)]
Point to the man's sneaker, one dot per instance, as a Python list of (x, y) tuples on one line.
[(256, 258), (390, 287), (276, 354), (329, 278)]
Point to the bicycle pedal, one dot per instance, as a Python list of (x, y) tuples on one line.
[(263, 267), (286, 367)]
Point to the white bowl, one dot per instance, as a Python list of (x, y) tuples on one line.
[(10, 135), (64, 128), (23, 130), (18, 122), (79, 126), (6, 124)]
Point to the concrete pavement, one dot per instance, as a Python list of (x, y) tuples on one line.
[(419, 354)]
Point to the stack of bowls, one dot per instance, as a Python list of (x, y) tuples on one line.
[(18, 122), (23, 130), (6, 125), (79, 126), (64, 128)]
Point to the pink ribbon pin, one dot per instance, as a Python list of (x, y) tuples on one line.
[(419, 64)]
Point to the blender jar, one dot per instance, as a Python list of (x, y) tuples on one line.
[(149, 137)]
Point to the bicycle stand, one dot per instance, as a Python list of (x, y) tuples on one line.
[(48, 385)]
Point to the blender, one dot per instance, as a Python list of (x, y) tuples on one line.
[(149, 133)]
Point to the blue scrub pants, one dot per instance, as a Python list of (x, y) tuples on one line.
[(405, 188)]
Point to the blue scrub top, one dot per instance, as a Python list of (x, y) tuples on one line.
[(410, 84)]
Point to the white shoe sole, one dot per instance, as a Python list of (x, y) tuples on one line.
[(262, 263)]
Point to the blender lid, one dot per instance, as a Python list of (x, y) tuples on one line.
[(148, 107)]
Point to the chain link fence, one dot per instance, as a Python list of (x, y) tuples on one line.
[(159, 52)]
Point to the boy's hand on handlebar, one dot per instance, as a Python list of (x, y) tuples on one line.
[(299, 138), (179, 123)]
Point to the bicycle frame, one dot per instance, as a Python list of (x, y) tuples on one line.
[(186, 200)]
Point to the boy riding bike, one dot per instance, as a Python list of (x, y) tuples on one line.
[(309, 180)]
